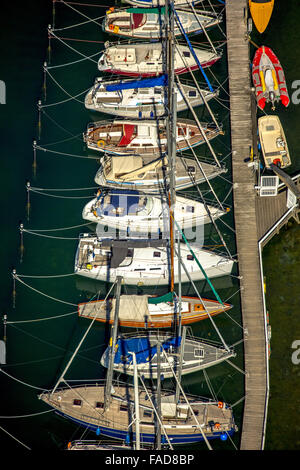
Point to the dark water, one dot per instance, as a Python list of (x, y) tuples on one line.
[(37, 351)]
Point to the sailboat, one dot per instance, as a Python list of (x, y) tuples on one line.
[(198, 354), (143, 99), (261, 12), (139, 212), (144, 311), (146, 60), (142, 262), (148, 174), (148, 138), (140, 23)]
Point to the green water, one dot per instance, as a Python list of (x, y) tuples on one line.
[(37, 352)]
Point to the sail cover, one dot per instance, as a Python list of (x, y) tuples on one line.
[(142, 348), (146, 83)]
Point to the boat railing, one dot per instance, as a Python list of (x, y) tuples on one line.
[(152, 333)]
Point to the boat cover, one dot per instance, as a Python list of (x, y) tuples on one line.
[(142, 349)]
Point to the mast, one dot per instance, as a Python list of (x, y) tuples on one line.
[(112, 350)]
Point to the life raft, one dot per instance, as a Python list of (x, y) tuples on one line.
[(268, 79)]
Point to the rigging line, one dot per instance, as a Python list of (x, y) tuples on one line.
[(207, 312), (63, 189), (199, 90), (209, 384), (82, 40), (42, 319), (79, 24), (38, 147), (10, 435), (188, 403), (53, 238), (71, 97), (236, 367), (228, 226), (61, 378), (42, 293), (213, 221), (155, 411), (72, 48), (65, 140), (64, 351), (27, 416), (60, 126), (60, 196), (71, 63), (63, 228), (79, 12), (46, 277)]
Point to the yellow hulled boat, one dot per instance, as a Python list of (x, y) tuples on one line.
[(261, 12)]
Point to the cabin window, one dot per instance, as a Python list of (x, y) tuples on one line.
[(130, 252), (140, 269), (190, 209), (157, 91), (123, 408), (156, 254), (99, 404), (269, 128), (199, 352), (77, 402), (147, 414), (186, 54), (191, 169), (190, 257), (192, 93)]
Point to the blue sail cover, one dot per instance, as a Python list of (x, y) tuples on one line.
[(142, 349), (146, 83)]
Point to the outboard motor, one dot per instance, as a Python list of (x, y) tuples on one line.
[(272, 99)]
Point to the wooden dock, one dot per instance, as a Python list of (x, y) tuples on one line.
[(257, 219), (244, 196)]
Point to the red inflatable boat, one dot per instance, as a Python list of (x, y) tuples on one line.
[(268, 78)]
